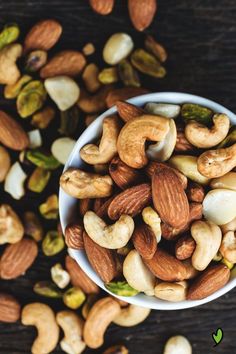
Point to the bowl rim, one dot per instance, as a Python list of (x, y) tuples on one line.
[(80, 256)]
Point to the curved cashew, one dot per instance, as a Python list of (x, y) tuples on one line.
[(112, 236), (202, 137), (100, 316), (163, 150), (208, 238), (104, 153), (173, 292), (219, 206), (81, 185), (228, 246), (9, 72), (42, 317), (230, 226), (11, 228), (227, 181), (72, 326), (216, 163), (151, 218), (137, 274), (178, 344), (131, 316), (132, 138)]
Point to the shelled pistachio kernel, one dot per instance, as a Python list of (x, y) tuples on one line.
[(74, 298), (128, 74), (31, 98), (38, 180), (9, 34), (33, 226), (108, 76), (12, 91), (121, 288), (47, 289), (147, 64), (43, 118), (190, 111), (36, 60), (53, 243)]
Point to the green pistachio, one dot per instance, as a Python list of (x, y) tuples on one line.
[(31, 98), (218, 257), (43, 118), (12, 91), (227, 263), (117, 349), (38, 180), (146, 63), (69, 121), (9, 34), (47, 162), (121, 288), (35, 60), (128, 74), (49, 209), (53, 243), (47, 289), (229, 140), (108, 76), (32, 226), (190, 111), (74, 298)]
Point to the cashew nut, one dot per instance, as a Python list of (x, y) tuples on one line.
[(100, 316), (11, 228), (72, 326), (9, 72), (42, 317), (208, 238), (163, 150), (104, 153), (112, 236), (173, 292), (219, 206), (131, 316), (151, 218), (230, 226), (163, 109), (80, 184), (228, 246), (202, 137), (178, 345), (227, 181), (132, 138), (216, 163), (191, 272), (137, 274), (14, 181)]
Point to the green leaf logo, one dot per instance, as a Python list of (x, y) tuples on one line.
[(218, 336)]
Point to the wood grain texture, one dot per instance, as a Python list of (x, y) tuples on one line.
[(200, 37)]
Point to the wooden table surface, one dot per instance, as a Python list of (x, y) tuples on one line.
[(200, 37)]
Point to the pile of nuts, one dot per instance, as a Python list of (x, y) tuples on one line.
[(158, 205)]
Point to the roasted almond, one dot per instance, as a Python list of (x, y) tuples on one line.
[(102, 260), (94, 103), (195, 192), (17, 258), (182, 144), (102, 210), (79, 278), (166, 267), (43, 35), (123, 94), (131, 201), (123, 175), (169, 198), (144, 241), (184, 247), (128, 111), (85, 205), (9, 308), (102, 7), (74, 236), (67, 62), (12, 134), (211, 280), (142, 13)]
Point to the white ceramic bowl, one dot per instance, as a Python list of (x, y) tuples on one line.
[(67, 204)]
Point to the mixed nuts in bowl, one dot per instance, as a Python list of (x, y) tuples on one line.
[(156, 185)]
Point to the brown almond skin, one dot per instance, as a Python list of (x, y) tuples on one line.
[(103, 208), (123, 175), (79, 278), (195, 192), (102, 260), (169, 198), (128, 111), (67, 62), (85, 205), (102, 7), (182, 144), (10, 308), (166, 267), (43, 35), (142, 13), (184, 247), (12, 134), (123, 94), (17, 258), (211, 280), (74, 236), (131, 201), (144, 241), (94, 103)]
